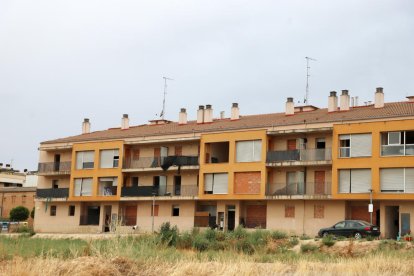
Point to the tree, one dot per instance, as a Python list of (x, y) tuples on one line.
[(19, 213), (32, 213)]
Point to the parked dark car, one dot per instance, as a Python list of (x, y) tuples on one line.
[(351, 228)]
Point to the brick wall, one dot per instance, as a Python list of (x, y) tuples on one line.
[(247, 182)]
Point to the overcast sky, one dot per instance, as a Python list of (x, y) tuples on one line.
[(62, 61)]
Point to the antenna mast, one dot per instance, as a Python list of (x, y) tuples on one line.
[(305, 101), (163, 101)]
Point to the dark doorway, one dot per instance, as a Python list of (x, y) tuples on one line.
[(156, 181), (231, 217), (57, 162), (177, 185), (377, 217), (107, 216), (392, 221), (93, 215)]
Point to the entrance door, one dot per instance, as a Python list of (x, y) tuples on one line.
[(177, 185), (231, 217), (319, 182), (392, 221), (291, 144), (93, 215), (57, 162), (107, 216), (130, 218)]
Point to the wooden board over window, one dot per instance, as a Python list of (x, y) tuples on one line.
[(256, 216)]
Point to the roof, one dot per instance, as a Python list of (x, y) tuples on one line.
[(390, 110)]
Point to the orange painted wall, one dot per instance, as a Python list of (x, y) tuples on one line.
[(232, 166), (96, 172), (375, 162)]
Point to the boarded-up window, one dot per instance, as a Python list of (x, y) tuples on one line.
[(130, 217), (256, 216), (289, 211), (178, 150), (247, 182), (319, 211), (156, 208)]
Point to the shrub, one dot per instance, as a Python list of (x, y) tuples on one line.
[(19, 213), (240, 232), (243, 245), (210, 234), (258, 238), (278, 235), (167, 234), (293, 241), (305, 248), (328, 240), (200, 243), (25, 229), (370, 238), (305, 237), (185, 241)]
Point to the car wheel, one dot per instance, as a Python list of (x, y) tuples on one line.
[(357, 236), (325, 234)]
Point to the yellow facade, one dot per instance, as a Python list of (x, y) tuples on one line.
[(374, 162), (96, 172), (232, 167)]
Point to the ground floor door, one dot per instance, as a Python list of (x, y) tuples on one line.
[(93, 213), (319, 182), (231, 217), (107, 216), (392, 221)]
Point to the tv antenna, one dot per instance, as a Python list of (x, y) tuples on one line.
[(305, 101), (165, 93)]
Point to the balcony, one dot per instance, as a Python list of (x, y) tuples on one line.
[(149, 191), (302, 189), (157, 163), (300, 157), (54, 168), (53, 193)]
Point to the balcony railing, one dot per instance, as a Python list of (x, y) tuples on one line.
[(390, 150), (53, 193), (299, 188), (170, 190), (54, 168), (299, 155), (160, 162)]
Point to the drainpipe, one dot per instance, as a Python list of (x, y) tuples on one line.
[(303, 219)]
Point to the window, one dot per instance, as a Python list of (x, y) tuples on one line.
[(289, 211), (84, 159), (55, 183), (216, 183), (83, 186), (53, 211), (156, 209), (397, 180), (249, 151), (217, 152), (354, 181), (108, 186), (355, 145), (397, 143), (175, 210), (109, 158), (71, 212), (340, 225)]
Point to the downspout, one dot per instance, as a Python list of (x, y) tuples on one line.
[(303, 219)]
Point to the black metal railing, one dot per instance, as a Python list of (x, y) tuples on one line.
[(54, 168), (160, 162), (170, 190), (53, 193), (299, 155), (299, 188)]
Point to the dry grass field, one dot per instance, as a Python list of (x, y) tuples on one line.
[(203, 253)]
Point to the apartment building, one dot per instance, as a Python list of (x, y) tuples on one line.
[(298, 171)]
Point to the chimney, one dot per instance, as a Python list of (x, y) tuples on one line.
[(290, 106), (222, 115), (235, 112), (86, 126), (182, 116), (379, 98), (332, 102), (200, 114), (125, 122), (410, 99), (344, 105), (208, 114)]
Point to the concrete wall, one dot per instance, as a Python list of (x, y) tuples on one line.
[(304, 221)]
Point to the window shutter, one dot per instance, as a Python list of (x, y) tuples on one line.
[(87, 186), (409, 180), (360, 181), (208, 182), (344, 181), (244, 152), (79, 158), (107, 157), (220, 183), (392, 180), (257, 150), (163, 185), (361, 145), (78, 183)]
